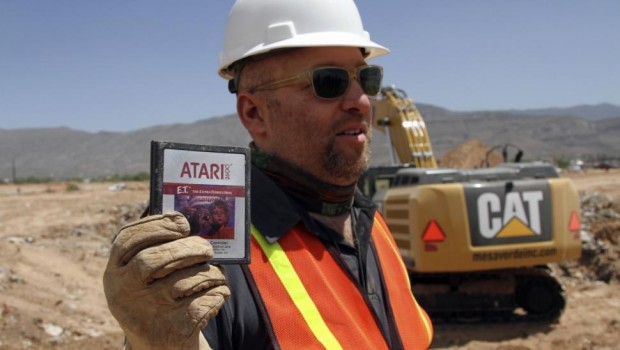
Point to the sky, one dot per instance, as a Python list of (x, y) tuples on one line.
[(122, 65)]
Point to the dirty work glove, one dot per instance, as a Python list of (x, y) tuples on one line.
[(159, 285)]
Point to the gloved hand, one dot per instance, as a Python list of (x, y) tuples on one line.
[(159, 285)]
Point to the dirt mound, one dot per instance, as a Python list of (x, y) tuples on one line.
[(54, 244), (600, 256), (471, 154)]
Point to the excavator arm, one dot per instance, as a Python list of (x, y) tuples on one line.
[(396, 116)]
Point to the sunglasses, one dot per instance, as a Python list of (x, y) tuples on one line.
[(333, 82)]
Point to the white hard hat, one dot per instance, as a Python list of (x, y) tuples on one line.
[(259, 26)]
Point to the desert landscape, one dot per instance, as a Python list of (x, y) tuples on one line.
[(55, 240)]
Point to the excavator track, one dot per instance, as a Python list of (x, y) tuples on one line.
[(509, 295)]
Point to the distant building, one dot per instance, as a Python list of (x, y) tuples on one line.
[(576, 165)]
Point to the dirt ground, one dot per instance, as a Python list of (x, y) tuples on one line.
[(54, 243)]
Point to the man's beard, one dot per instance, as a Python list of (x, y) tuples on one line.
[(346, 168)]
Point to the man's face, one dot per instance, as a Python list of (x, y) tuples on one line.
[(327, 138)]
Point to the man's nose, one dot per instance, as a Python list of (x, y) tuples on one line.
[(356, 99)]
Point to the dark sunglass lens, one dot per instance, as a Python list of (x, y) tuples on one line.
[(330, 82), (370, 79)]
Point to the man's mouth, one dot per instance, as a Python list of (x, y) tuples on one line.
[(353, 132)]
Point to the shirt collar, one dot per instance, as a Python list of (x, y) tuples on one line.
[(272, 211)]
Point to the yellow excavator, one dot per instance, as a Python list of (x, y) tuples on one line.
[(477, 242)]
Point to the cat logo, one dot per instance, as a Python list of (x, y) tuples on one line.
[(510, 219), (516, 215)]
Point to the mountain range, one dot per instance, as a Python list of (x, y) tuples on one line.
[(585, 131)]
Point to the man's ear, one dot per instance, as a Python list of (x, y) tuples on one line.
[(251, 110)]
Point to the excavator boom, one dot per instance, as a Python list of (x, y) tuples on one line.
[(396, 115)]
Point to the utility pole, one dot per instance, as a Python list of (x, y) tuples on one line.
[(14, 171)]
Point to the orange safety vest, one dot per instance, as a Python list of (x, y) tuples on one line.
[(311, 303)]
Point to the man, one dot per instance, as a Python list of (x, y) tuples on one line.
[(325, 272)]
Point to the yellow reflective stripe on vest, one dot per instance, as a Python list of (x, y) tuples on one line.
[(296, 290)]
